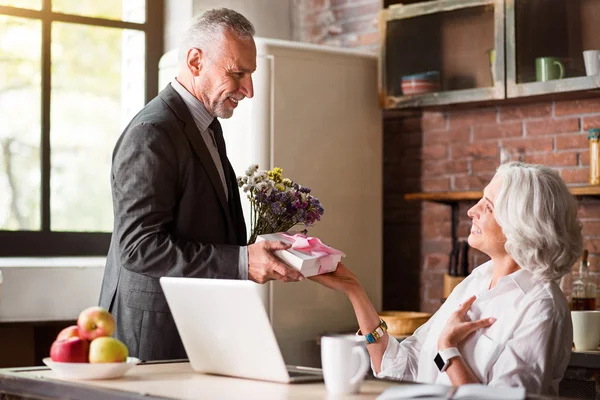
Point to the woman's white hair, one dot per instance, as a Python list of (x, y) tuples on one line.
[(538, 216), (207, 29)]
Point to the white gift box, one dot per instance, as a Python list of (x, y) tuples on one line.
[(308, 255)]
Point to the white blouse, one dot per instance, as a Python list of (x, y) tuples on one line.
[(529, 345)]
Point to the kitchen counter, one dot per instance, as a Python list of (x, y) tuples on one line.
[(164, 380), (172, 380)]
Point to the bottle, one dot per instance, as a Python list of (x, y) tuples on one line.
[(583, 295), (594, 141)]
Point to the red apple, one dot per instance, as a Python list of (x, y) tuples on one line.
[(107, 350), (69, 331), (95, 322), (72, 350)]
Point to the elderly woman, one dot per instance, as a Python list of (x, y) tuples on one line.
[(508, 323)]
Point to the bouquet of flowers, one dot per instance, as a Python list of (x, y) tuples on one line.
[(277, 203)]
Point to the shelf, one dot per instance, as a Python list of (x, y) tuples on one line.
[(442, 98), (555, 86), (453, 197)]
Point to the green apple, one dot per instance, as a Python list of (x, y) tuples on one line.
[(107, 349)]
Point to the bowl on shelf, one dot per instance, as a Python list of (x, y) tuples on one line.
[(86, 371), (424, 82), (403, 322)]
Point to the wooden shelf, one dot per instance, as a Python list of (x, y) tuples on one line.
[(453, 197)]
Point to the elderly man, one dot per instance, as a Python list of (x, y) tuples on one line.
[(176, 203)]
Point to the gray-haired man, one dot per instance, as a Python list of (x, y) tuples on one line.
[(176, 202)]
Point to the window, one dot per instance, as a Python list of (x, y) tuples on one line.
[(72, 75)]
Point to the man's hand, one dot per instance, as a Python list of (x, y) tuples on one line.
[(263, 266)]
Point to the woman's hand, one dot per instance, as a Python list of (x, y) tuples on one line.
[(457, 329), (342, 279)]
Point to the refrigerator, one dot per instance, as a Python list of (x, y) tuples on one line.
[(315, 114)]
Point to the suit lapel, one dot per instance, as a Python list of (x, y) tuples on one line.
[(170, 96)]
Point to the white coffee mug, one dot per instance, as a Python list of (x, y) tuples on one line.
[(586, 329), (591, 59), (345, 362)]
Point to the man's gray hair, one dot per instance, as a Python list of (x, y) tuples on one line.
[(538, 216), (208, 28)]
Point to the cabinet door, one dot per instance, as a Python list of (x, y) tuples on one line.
[(442, 52), (546, 41)]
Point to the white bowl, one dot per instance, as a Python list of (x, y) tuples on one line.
[(85, 371)]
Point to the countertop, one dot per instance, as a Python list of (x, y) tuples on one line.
[(166, 380)]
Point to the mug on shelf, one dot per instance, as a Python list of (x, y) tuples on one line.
[(549, 68), (591, 59)]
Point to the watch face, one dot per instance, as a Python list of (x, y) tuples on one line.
[(439, 362)]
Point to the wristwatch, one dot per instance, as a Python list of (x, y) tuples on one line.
[(442, 359)]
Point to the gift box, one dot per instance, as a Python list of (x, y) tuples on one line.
[(307, 254)]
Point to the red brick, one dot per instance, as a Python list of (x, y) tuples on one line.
[(589, 208), (435, 152), (497, 131), (433, 121), (433, 212), (475, 150), (566, 159), (439, 230), (572, 141), (435, 262), (436, 246), (459, 135), (484, 165), (584, 158), (583, 106), (591, 228), (436, 184), (591, 122), (356, 26), (461, 119), (347, 11), (338, 3), (594, 263), (575, 175), (471, 182), (510, 113), (593, 245), (363, 39), (445, 167), (528, 145), (552, 126)]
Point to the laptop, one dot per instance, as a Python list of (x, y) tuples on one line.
[(225, 330)]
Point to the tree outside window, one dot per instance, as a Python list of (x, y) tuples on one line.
[(72, 74)]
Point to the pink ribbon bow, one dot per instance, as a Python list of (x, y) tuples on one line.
[(315, 247)]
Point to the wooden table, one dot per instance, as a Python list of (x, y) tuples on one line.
[(164, 380)]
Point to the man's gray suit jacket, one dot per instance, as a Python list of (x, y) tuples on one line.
[(172, 218)]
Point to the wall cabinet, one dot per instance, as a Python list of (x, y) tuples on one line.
[(461, 51)]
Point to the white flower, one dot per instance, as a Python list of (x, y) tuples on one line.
[(262, 186), (251, 169)]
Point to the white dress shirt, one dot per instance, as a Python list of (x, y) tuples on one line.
[(529, 345)]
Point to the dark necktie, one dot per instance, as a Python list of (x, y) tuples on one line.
[(215, 126)]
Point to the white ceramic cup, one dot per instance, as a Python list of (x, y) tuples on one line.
[(586, 329), (345, 362), (591, 58)]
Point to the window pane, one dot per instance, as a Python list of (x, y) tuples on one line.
[(126, 10), (31, 4), (98, 78), (20, 88)]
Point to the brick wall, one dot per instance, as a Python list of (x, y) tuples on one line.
[(459, 150), (342, 23)]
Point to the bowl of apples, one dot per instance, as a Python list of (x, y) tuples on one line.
[(88, 350)]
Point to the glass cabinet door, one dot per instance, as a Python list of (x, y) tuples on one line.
[(549, 43), (442, 52)]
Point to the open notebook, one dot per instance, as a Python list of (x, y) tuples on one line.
[(470, 391)]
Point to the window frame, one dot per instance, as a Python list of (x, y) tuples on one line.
[(45, 242)]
